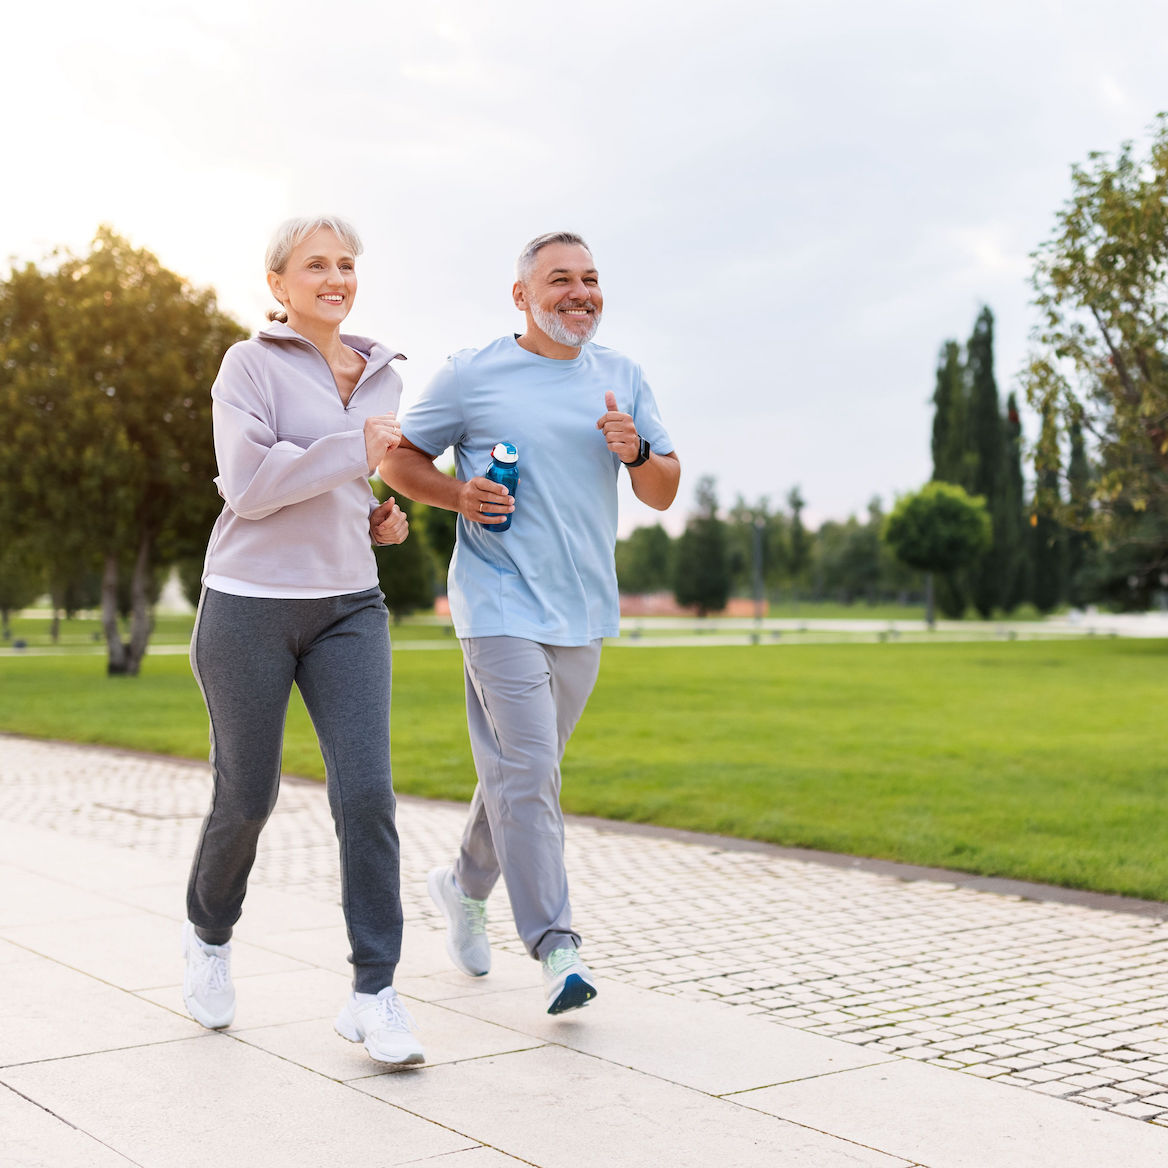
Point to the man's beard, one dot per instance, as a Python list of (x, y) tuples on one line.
[(559, 331)]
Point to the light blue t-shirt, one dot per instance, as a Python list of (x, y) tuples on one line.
[(551, 577)]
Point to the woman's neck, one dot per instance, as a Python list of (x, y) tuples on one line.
[(327, 338)]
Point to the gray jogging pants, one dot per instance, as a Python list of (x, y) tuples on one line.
[(246, 653), (523, 700)]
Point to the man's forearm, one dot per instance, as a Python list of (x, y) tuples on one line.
[(655, 482), (412, 471)]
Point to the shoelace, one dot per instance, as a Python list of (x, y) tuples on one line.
[(560, 959), (391, 1011), (476, 914), (215, 973)]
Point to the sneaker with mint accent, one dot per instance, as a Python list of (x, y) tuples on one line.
[(384, 1025), (207, 989), (567, 980), (466, 923)]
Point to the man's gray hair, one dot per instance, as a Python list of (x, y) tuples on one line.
[(295, 231), (526, 262)]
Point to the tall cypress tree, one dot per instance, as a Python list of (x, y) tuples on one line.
[(986, 441), (950, 464), (1049, 549), (952, 460), (1078, 539), (1015, 562)]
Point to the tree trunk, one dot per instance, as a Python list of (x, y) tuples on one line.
[(56, 599), (930, 607), (116, 662), (141, 618)]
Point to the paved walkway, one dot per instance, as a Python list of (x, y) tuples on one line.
[(758, 1007)]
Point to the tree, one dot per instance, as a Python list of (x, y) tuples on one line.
[(21, 581), (441, 535), (798, 541), (953, 456), (1049, 554), (644, 561), (1012, 552), (405, 571), (940, 528), (851, 559), (1101, 353), (952, 459), (701, 571), (749, 530), (1079, 542), (988, 449), (105, 366)]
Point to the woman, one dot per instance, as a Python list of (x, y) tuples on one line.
[(302, 415)]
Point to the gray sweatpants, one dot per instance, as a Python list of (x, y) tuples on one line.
[(246, 653), (523, 700)]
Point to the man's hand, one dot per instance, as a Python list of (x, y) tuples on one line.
[(382, 434), (619, 430), (388, 523), (483, 500)]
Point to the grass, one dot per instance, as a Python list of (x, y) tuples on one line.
[(84, 632), (174, 629), (1040, 761)]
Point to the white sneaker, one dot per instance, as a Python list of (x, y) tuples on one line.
[(385, 1026), (466, 923), (207, 988), (567, 980)]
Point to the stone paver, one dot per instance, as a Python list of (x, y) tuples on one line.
[(1054, 998)]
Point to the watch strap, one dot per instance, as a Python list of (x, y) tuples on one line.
[(642, 454)]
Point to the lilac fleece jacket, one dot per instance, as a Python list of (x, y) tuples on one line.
[(292, 469)]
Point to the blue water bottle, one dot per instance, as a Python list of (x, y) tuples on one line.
[(504, 469)]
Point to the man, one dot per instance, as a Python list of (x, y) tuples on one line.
[(531, 605)]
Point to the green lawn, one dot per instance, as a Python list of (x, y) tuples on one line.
[(1041, 761), (169, 629)]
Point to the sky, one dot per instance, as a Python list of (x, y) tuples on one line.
[(791, 205)]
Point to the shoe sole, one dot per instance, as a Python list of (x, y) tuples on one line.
[(576, 993), (345, 1028), (434, 884)]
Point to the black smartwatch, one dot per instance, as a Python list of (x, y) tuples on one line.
[(642, 454)]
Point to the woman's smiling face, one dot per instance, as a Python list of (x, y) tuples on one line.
[(319, 283)]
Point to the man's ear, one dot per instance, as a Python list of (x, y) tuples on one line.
[(519, 296)]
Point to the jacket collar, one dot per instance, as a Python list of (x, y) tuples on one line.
[(375, 352)]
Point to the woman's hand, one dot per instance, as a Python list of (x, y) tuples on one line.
[(388, 523), (382, 434)]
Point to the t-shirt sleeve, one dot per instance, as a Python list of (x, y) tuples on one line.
[(435, 421), (648, 418)]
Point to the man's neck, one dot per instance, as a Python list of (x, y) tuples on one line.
[(542, 345)]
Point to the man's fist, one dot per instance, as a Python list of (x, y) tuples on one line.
[(619, 430)]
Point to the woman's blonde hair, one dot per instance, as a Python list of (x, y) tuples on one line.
[(292, 232)]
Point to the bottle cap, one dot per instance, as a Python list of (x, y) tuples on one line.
[(505, 452)]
